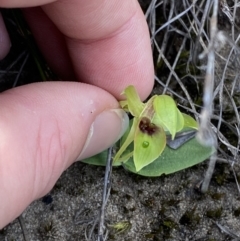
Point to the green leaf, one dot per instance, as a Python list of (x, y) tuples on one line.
[(99, 159), (172, 161)]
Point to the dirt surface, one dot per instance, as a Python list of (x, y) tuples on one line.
[(164, 208), (167, 208)]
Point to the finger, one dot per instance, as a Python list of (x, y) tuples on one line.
[(5, 43), (23, 3), (44, 128), (108, 42), (51, 42)]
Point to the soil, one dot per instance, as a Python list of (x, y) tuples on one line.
[(164, 208), (169, 208)]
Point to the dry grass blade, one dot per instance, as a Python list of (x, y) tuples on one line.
[(195, 24), (228, 232), (24, 229), (102, 232), (205, 134)]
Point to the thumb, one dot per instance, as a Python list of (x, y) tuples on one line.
[(44, 128)]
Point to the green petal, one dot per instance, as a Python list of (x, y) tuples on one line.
[(127, 142), (124, 104), (168, 113), (189, 121), (148, 110), (123, 159), (148, 145), (134, 103), (180, 121)]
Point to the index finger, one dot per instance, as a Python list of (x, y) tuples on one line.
[(108, 42), (23, 3)]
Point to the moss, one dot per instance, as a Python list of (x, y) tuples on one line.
[(171, 202), (149, 202), (120, 227), (221, 175), (48, 230), (149, 236), (214, 213), (165, 206), (190, 218), (166, 226), (220, 179), (217, 196), (169, 224)]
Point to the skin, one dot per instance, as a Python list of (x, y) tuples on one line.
[(45, 127)]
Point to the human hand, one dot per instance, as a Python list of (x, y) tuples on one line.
[(45, 127)]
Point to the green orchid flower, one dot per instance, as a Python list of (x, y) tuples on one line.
[(152, 122)]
